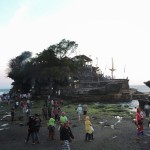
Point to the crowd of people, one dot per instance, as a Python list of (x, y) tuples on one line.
[(34, 124), (54, 116), (57, 116)]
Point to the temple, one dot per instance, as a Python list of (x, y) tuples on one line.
[(90, 81)]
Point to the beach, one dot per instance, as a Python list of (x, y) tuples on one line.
[(120, 136), (123, 137)]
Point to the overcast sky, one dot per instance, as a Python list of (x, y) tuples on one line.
[(103, 29)]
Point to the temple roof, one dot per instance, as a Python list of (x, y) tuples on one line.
[(83, 57)]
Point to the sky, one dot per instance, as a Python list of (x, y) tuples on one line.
[(103, 29)]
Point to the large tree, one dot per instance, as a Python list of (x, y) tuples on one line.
[(54, 65), (50, 68)]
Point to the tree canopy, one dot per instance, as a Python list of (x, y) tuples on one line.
[(50, 68)]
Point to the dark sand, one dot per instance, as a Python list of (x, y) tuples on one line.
[(123, 137)]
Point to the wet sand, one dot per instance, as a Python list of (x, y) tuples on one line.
[(122, 137)]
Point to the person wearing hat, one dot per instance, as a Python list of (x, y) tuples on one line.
[(79, 111)]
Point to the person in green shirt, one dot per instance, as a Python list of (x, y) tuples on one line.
[(51, 128), (63, 118)]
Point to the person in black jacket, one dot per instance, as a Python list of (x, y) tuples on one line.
[(66, 136), (37, 127), (31, 129)]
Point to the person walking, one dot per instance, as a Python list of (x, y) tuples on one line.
[(79, 111), (66, 136)]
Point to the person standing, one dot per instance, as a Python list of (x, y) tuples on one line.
[(55, 113), (37, 127), (88, 129), (63, 118), (66, 136), (79, 111), (85, 109), (51, 128), (139, 123), (31, 130)]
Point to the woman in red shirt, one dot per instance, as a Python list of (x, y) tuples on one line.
[(139, 122)]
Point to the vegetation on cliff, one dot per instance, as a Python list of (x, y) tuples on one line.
[(50, 68)]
